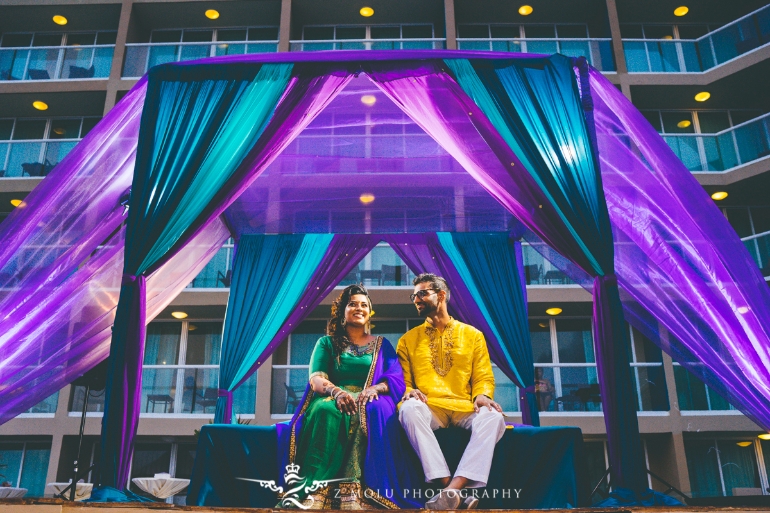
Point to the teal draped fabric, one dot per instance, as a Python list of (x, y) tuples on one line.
[(197, 125), (478, 257), (536, 107), (270, 274)]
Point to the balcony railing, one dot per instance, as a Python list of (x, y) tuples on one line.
[(32, 158), (598, 52), (368, 44), (759, 247), (697, 55), (724, 150), (143, 56), (540, 271), (56, 62)]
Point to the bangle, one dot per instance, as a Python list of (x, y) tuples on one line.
[(338, 394)]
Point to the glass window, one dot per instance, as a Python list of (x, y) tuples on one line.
[(505, 31), (88, 125), (575, 340), (81, 39), (539, 31), (350, 33), (65, 128), (204, 342), (386, 32), (263, 34), (678, 122), (16, 40), (741, 116), (631, 31), (540, 334), (417, 31), (318, 33), (166, 36), (736, 458), (162, 345), (197, 36), (149, 459), (47, 40), (713, 122), (391, 330), (106, 38), (231, 35), (658, 31), (760, 217), (26, 465), (739, 219), (653, 117), (692, 31), (29, 129), (596, 461), (6, 127), (572, 31), (473, 31)]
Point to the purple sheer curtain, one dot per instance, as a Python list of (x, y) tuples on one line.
[(68, 332), (683, 267), (345, 252), (423, 253)]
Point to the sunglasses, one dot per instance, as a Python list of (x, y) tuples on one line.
[(422, 294)]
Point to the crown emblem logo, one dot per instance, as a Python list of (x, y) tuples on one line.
[(292, 470), (298, 487)]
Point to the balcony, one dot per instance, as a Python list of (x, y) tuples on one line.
[(368, 44), (32, 158), (143, 56), (76, 62), (724, 150), (598, 52), (697, 55)]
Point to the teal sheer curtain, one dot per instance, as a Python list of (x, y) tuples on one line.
[(198, 123), (477, 257), (547, 121), (270, 274)]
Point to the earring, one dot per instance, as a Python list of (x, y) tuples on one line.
[(368, 328), (343, 322)]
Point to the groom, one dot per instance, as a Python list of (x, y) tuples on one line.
[(449, 381)]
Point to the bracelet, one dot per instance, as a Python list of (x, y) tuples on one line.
[(338, 394)]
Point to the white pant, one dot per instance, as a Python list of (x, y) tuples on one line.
[(487, 427)]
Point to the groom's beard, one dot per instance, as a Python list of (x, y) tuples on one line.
[(427, 309)]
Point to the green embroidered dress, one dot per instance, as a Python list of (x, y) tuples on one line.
[(332, 445)]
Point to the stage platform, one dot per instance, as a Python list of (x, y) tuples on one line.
[(34, 505)]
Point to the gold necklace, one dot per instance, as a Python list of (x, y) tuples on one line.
[(441, 363)]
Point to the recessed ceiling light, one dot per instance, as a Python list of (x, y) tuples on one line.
[(60, 20), (366, 11), (668, 37), (212, 14), (17, 202), (178, 315), (542, 325), (744, 444), (765, 436), (702, 97), (192, 327), (681, 11), (40, 105), (59, 131), (366, 198), (553, 311), (719, 195), (684, 123), (368, 99), (525, 10)]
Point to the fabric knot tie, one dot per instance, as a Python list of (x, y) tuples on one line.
[(128, 279), (609, 280), (221, 392)]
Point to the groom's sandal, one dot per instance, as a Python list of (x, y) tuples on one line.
[(446, 500), (470, 502)]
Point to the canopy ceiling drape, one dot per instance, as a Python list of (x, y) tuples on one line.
[(682, 270)]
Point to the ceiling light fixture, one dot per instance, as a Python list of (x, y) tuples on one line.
[(40, 105), (719, 195), (366, 12), (366, 198), (681, 11), (212, 14), (178, 315), (702, 97), (765, 436), (542, 325), (368, 99), (684, 123), (744, 444), (668, 37), (60, 20), (525, 10), (17, 202), (553, 311)]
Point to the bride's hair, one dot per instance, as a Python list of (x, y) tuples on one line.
[(335, 328)]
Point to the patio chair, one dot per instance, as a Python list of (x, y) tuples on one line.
[(394, 275), (292, 399), (225, 279), (78, 72)]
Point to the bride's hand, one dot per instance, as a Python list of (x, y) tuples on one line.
[(367, 395), (346, 403)]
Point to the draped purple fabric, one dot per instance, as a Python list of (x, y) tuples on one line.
[(343, 254), (423, 253)]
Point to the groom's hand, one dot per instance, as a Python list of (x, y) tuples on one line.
[(482, 400), (415, 394)]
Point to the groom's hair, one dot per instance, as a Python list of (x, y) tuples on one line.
[(436, 282)]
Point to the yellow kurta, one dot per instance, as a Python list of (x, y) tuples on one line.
[(450, 368)]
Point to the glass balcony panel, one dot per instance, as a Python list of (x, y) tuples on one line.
[(502, 46), (3, 159), (47, 405), (690, 53), (95, 400), (262, 48), (663, 56), (161, 55), (158, 390), (576, 49), (540, 335), (12, 64), (383, 45), (245, 396), (720, 152), (753, 140), (421, 45), (200, 390), (223, 49), (354, 45), (217, 273), (55, 153), (77, 63), (506, 393), (763, 243), (311, 47), (24, 160), (288, 387), (636, 56), (602, 57), (103, 62), (194, 52), (136, 61), (686, 149), (539, 271), (751, 246), (544, 47), (42, 64), (545, 394)]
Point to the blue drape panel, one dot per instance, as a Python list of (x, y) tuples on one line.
[(270, 275), (535, 106), (478, 258), (197, 125)]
